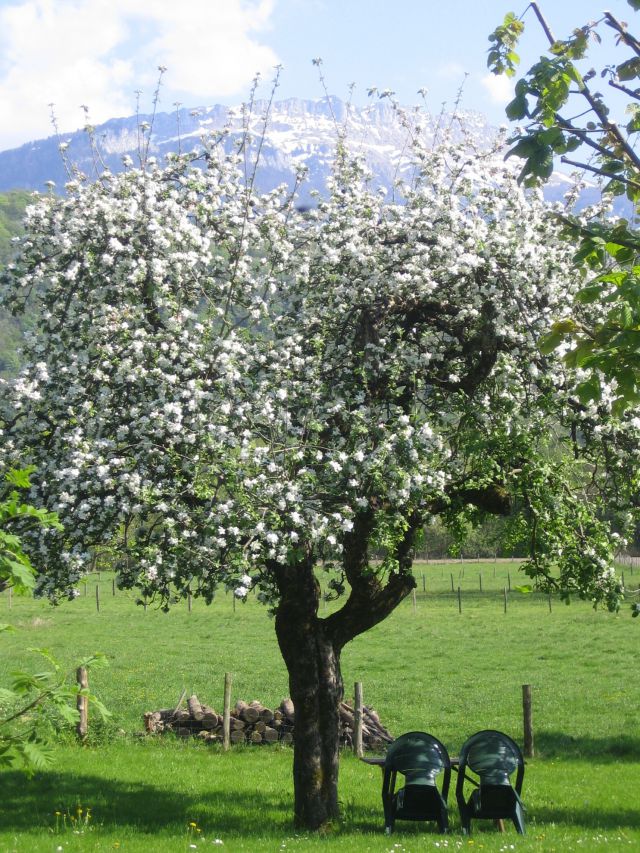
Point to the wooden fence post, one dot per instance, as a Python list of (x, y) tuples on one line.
[(226, 714), (113, 585), (413, 598), (459, 600), (10, 598), (82, 703), (357, 720), (527, 721), (505, 599)]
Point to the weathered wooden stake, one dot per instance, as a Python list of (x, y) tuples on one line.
[(357, 720), (622, 578), (424, 583), (549, 597), (527, 720), (459, 600), (226, 713), (480, 577), (413, 598), (113, 586), (10, 598), (82, 703), (452, 586), (98, 597), (505, 599)]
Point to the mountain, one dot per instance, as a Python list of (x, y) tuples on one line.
[(299, 132)]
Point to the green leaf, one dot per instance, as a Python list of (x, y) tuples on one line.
[(517, 108), (629, 69), (20, 477), (589, 390), (527, 589), (549, 342), (565, 326), (37, 754), (590, 293)]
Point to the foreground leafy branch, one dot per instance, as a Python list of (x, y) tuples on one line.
[(26, 709), (562, 109)]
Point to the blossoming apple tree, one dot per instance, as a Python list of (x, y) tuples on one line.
[(224, 391)]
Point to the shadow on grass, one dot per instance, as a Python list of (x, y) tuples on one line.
[(28, 803), (602, 749), (589, 817)]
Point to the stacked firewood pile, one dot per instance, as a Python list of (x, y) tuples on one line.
[(252, 722)]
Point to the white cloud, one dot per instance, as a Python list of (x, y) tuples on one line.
[(499, 87), (98, 52)]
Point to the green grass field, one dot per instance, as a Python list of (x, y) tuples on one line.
[(428, 667)]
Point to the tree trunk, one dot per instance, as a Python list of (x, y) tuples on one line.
[(311, 650), (315, 683)]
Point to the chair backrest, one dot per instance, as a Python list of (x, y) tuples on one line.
[(493, 756), (419, 756)]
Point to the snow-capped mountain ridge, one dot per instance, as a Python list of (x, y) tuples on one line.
[(298, 132)]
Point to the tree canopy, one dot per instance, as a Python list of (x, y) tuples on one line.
[(224, 390)]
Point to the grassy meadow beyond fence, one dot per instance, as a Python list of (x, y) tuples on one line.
[(451, 660)]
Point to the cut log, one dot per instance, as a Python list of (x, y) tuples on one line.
[(237, 736), (210, 721), (286, 706), (246, 712), (270, 735), (195, 708), (181, 716), (255, 737)]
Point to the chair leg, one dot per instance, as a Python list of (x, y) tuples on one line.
[(465, 820), (518, 819), (443, 821)]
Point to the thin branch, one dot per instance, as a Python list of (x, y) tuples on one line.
[(543, 23), (596, 171), (627, 38)]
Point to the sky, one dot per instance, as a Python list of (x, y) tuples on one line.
[(100, 53)]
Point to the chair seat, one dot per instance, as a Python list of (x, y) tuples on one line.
[(419, 802)]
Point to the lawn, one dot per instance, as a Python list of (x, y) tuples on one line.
[(429, 666)]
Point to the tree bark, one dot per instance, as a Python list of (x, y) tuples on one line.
[(315, 684)]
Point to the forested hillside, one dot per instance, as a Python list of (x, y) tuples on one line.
[(12, 206)]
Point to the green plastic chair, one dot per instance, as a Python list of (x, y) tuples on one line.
[(420, 758), (493, 757)]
